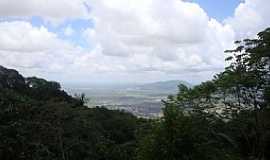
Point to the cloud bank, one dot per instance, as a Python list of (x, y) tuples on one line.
[(50, 10), (135, 40)]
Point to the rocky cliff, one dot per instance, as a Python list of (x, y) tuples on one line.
[(11, 79)]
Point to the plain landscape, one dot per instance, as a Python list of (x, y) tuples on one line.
[(144, 100)]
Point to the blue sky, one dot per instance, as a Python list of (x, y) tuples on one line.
[(219, 9), (77, 25), (125, 40)]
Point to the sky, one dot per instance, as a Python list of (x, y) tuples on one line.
[(218, 9), (125, 41)]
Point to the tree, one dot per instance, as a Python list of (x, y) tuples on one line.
[(231, 112)]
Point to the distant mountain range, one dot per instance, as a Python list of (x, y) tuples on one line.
[(163, 86), (170, 86)]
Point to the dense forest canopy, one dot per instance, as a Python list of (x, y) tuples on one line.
[(225, 118)]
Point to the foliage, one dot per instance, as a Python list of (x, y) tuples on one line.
[(225, 118), (43, 122)]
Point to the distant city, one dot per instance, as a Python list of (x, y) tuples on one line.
[(144, 100)]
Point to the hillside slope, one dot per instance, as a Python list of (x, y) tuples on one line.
[(40, 121)]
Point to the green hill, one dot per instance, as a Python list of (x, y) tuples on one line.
[(39, 121)]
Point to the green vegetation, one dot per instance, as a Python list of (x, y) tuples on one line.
[(227, 118), (40, 121)]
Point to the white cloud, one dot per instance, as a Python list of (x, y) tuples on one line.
[(176, 37), (21, 36), (150, 35), (52, 10), (29, 48), (69, 31), (134, 40), (250, 17)]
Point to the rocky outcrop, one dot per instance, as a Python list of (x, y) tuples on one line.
[(32, 87), (11, 79)]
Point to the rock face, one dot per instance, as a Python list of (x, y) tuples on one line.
[(11, 79), (33, 87)]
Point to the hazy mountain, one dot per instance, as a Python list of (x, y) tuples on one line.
[(163, 86), (170, 86)]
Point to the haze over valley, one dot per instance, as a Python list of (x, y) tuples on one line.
[(144, 100)]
